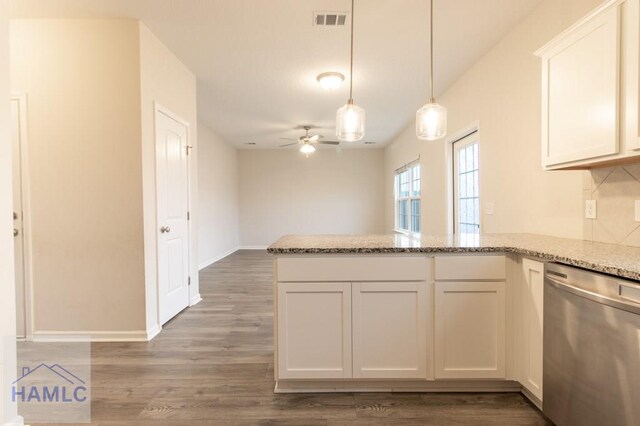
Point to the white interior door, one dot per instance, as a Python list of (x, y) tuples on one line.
[(18, 228), (172, 206)]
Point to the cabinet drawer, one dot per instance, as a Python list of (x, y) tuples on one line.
[(470, 267), (353, 268)]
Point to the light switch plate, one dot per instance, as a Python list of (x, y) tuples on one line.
[(590, 209), (637, 210), (489, 208)]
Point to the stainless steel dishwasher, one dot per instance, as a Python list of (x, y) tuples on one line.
[(591, 366)]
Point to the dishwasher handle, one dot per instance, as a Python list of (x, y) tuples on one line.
[(624, 305)]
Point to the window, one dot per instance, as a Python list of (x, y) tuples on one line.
[(407, 194), (466, 173)]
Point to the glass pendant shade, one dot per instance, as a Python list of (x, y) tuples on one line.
[(350, 123), (307, 149), (431, 122)]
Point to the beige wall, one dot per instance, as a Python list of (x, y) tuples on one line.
[(166, 81), (82, 81), (7, 283), (502, 92), (92, 86), (218, 227), (282, 192)]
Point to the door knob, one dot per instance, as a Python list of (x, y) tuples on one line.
[(15, 232), (165, 229)]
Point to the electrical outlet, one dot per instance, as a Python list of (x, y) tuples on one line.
[(590, 209), (637, 210)]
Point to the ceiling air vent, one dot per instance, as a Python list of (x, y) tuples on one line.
[(329, 19)]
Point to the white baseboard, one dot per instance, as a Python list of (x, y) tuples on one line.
[(332, 386), (153, 332), (253, 247), (195, 300), (217, 258), (531, 397), (90, 336)]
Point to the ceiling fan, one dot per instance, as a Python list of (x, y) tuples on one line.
[(308, 139)]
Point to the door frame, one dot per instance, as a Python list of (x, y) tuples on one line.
[(160, 109), (450, 154), (27, 236)]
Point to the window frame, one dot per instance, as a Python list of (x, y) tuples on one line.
[(467, 139), (411, 168)]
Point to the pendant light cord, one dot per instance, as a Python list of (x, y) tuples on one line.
[(431, 98), (351, 64)]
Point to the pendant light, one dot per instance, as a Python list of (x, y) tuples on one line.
[(431, 119), (350, 118)]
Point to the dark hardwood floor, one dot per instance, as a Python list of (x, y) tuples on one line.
[(213, 365)]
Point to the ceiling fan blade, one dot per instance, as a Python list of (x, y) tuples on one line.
[(288, 144), (289, 139), (330, 142), (315, 138)]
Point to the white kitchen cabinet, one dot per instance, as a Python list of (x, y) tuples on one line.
[(531, 296), (389, 330), (314, 330), (352, 268), (470, 267), (590, 90), (580, 91), (469, 330), (631, 76)]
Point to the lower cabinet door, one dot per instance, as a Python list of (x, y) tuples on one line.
[(314, 330), (531, 313), (470, 330), (389, 330)]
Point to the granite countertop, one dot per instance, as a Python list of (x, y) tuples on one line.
[(621, 261)]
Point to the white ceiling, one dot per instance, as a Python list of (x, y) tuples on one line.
[(256, 60)]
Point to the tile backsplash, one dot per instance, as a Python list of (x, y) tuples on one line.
[(615, 190)]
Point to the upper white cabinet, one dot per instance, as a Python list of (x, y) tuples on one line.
[(590, 90), (631, 75), (390, 330)]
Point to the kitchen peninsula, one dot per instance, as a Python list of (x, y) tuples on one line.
[(437, 313)]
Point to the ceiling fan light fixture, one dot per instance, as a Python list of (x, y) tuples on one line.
[(307, 149), (330, 80)]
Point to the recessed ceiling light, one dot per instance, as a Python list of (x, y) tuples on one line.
[(249, 143), (369, 143), (330, 80)]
